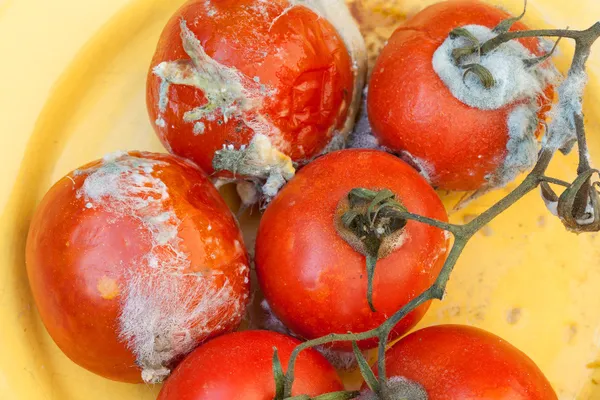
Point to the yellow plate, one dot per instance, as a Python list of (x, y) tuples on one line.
[(72, 88)]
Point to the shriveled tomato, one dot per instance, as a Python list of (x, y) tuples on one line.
[(463, 362), (226, 71), (239, 366), (133, 260), (312, 267), (429, 105)]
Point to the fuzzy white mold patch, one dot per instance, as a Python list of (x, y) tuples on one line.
[(341, 360), (522, 147), (229, 93), (163, 319), (362, 136), (337, 142), (199, 128), (514, 80), (260, 160), (399, 388), (271, 322), (211, 11), (124, 184), (425, 169), (164, 310), (552, 206), (588, 217), (562, 129)]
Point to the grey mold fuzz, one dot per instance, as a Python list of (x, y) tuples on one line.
[(514, 82), (229, 93), (164, 310), (260, 161), (398, 388)]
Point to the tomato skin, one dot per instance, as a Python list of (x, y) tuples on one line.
[(313, 280), (82, 257), (300, 57), (411, 109), (239, 366), (467, 363)]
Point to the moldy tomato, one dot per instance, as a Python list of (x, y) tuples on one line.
[(311, 266), (430, 107), (239, 366), (288, 73), (462, 362), (136, 259)]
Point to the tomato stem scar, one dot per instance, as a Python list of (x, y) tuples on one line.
[(370, 221)]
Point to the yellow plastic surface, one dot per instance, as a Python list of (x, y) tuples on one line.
[(72, 89)]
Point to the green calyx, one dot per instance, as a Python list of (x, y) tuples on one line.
[(371, 221), (468, 57), (471, 49), (485, 76)]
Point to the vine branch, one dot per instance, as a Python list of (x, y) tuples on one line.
[(585, 35), (555, 181)]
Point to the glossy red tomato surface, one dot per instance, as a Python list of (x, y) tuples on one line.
[(467, 363), (133, 260), (272, 68), (238, 366), (314, 281), (412, 110)]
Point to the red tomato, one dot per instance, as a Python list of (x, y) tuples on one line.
[(239, 366), (227, 70), (314, 281), (133, 260), (467, 363), (412, 110)]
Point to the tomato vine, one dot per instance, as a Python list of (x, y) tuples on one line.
[(578, 206)]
